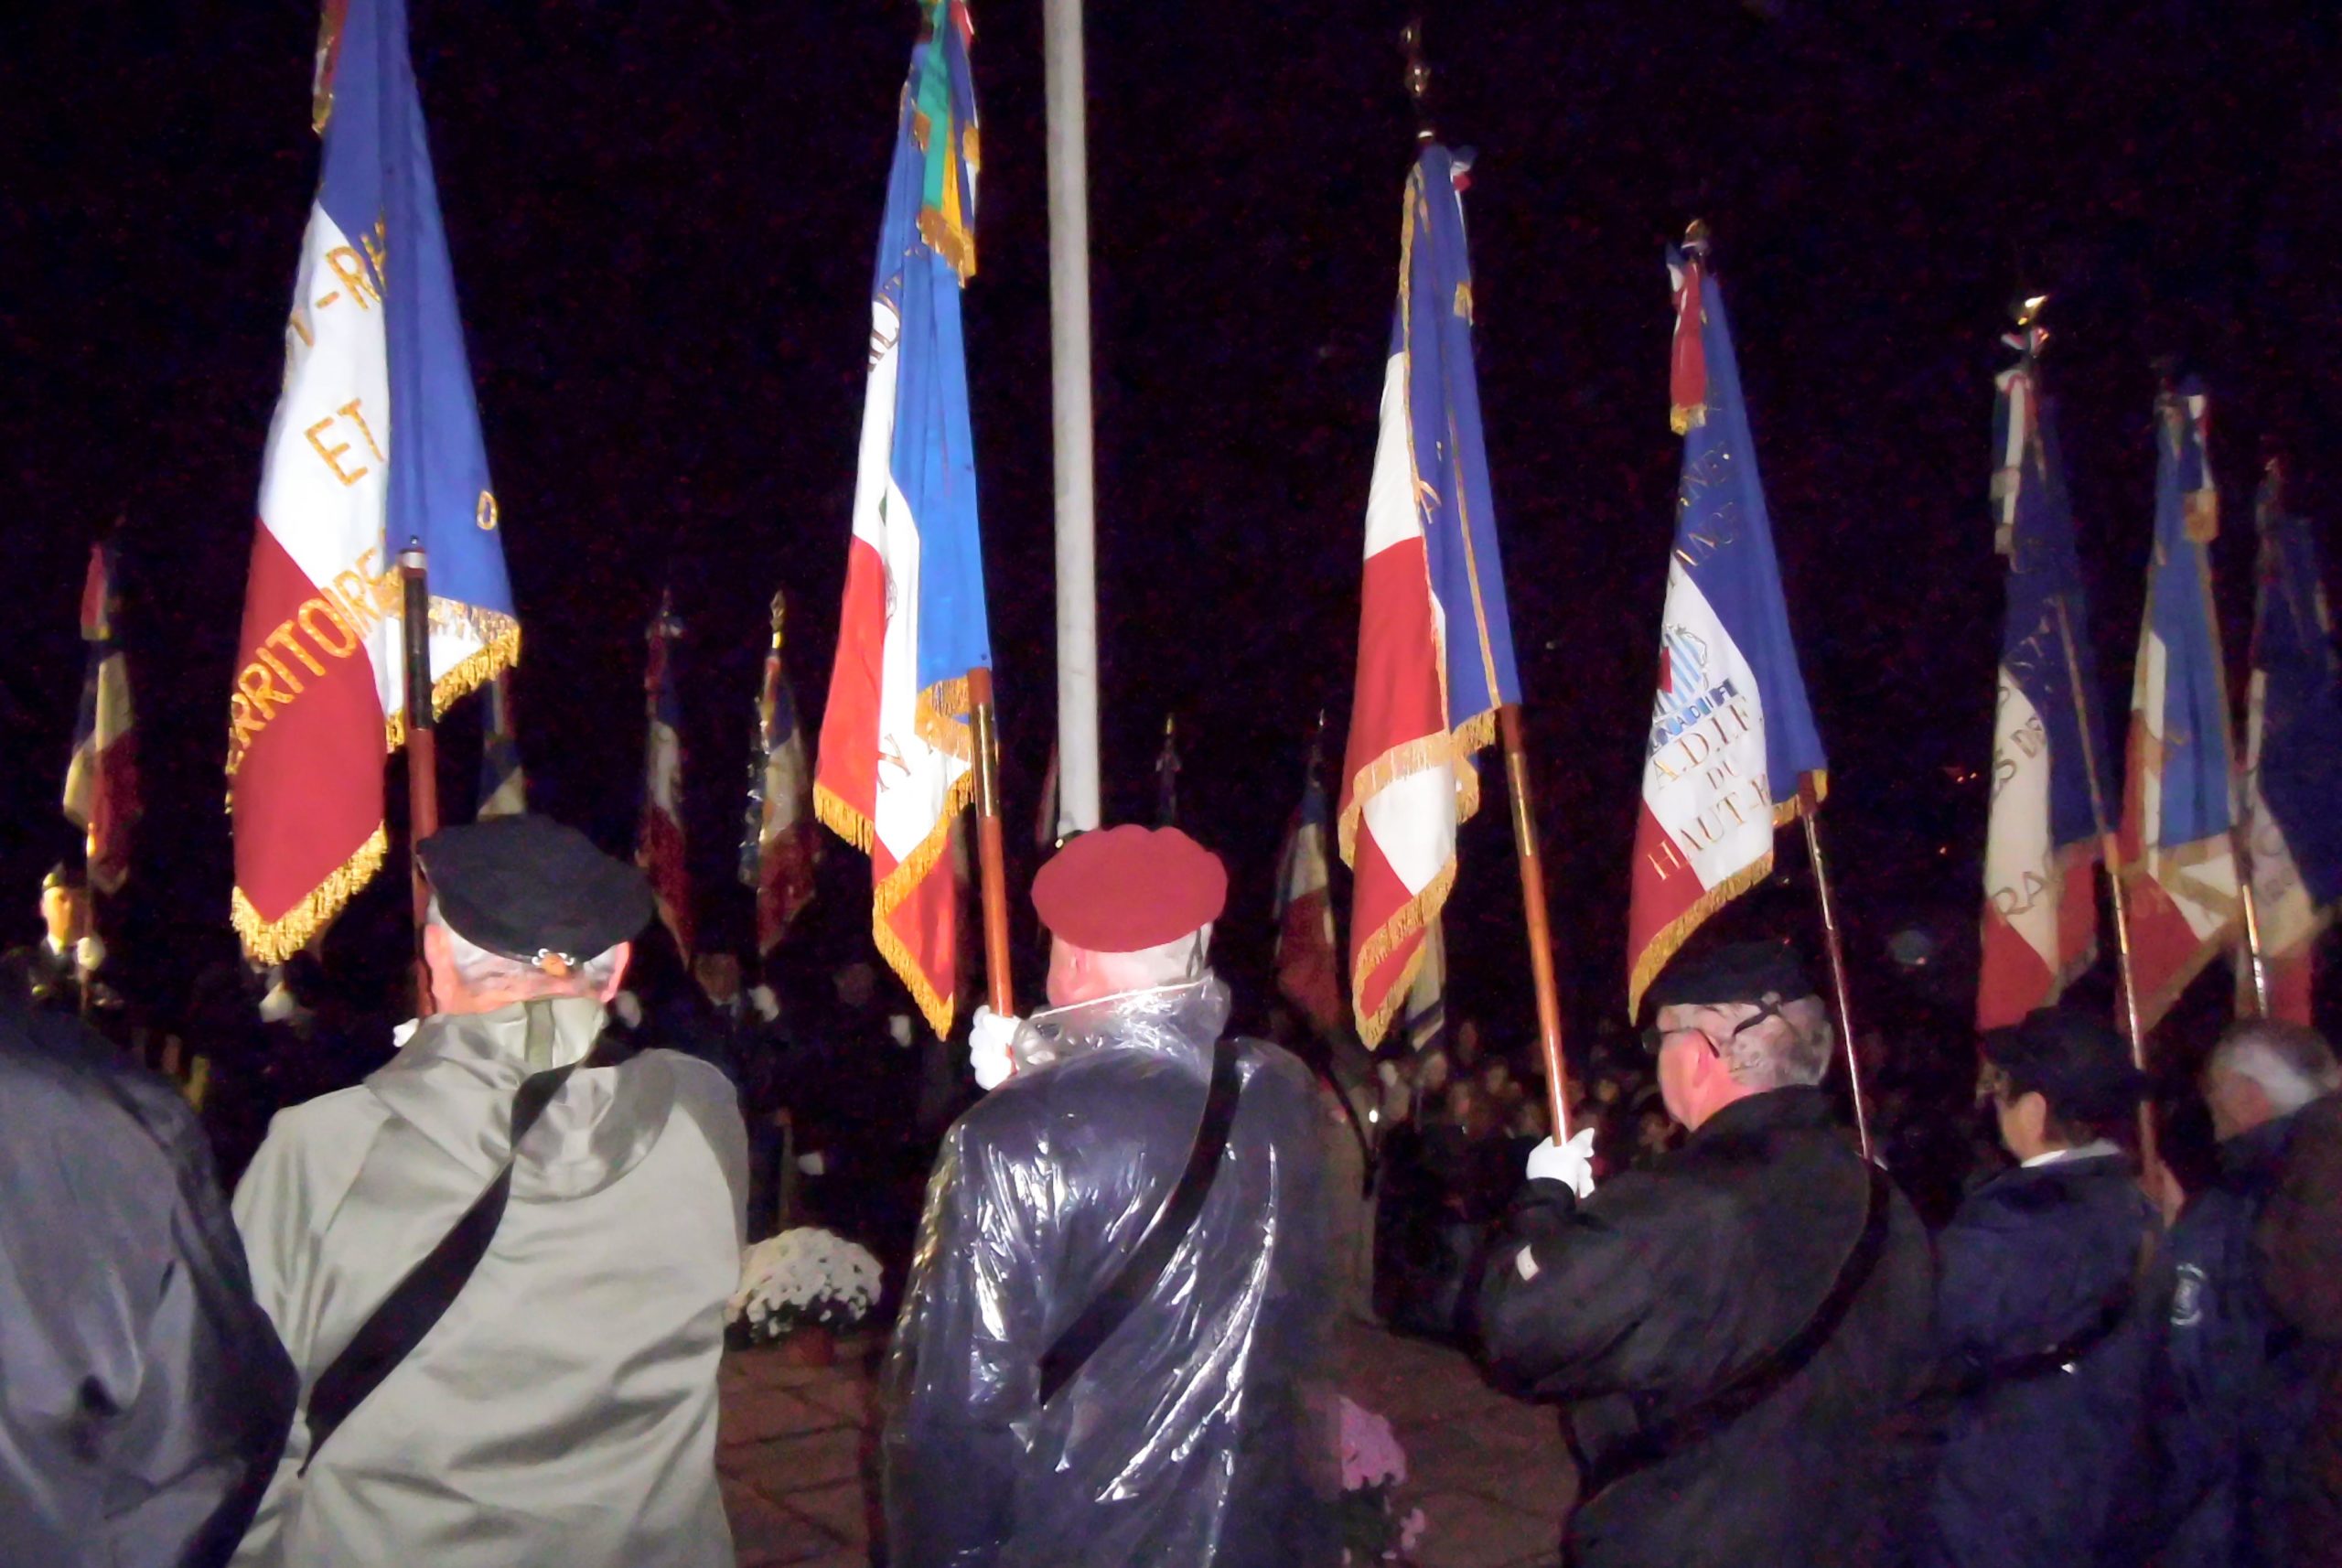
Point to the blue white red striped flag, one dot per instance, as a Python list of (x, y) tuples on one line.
[(375, 443), (2292, 753), (660, 845), (1435, 646), (503, 786), (101, 781), (2043, 838), (780, 849), (896, 756), (1309, 972), (1731, 733), (2179, 798)]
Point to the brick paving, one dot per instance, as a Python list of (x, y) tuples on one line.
[(798, 1454)]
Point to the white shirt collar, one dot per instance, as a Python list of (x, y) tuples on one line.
[(2089, 1151)]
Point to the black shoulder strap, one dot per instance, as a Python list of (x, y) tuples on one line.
[(417, 1302), (1142, 1270), (1758, 1381), (2111, 1313)]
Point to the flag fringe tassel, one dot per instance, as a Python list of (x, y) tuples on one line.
[(1408, 919), (888, 892), (274, 941), (500, 650), (1453, 749), (1676, 932)]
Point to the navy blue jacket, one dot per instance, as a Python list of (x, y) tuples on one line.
[(2048, 1325), (2238, 1394)]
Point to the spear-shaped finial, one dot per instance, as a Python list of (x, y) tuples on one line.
[(1410, 44), (1695, 238)]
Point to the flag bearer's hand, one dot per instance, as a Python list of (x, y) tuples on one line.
[(1571, 1162), (990, 1036)]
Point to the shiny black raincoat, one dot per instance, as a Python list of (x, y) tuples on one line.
[(1196, 1435), (143, 1398)]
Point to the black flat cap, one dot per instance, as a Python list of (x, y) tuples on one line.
[(1754, 972), (533, 890), (2075, 1062)]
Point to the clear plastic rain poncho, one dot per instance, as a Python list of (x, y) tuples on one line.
[(1199, 1432)]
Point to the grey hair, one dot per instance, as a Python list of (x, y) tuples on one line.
[(483, 971), (1793, 1048), (1174, 963), (2291, 1062)]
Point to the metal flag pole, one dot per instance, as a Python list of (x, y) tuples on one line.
[(1533, 908), (422, 748), (1834, 948), (991, 859), (1070, 424)]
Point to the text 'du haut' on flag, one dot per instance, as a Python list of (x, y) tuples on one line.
[(376, 443), (2292, 752), (1434, 647), (101, 779), (2178, 847), (1731, 733), (2043, 836), (897, 754)]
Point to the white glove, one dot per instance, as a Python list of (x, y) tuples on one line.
[(628, 1007), (990, 1036), (1571, 1163), (87, 954), (766, 1004)]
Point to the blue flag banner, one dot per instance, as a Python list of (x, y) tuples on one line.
[(2049, 754), (1732, 736), (2179, 798)]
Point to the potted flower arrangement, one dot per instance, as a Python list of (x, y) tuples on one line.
[(804, 1287), (1373, 1466)]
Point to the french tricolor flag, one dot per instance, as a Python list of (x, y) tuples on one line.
[(375, 444), (2043, 835), (660, 848), (1434, 645), (1732, 737), (2292, 752), (1308, 964), (896, 755), (2179, 810), (779, 851), (101, 781)]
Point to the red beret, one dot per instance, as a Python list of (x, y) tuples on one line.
[(1128, 888)]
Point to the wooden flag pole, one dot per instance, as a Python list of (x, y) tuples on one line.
[(422, 749), (1540, 929), (992, 858), (2109, 851), (1835, 948), (2256, 963)]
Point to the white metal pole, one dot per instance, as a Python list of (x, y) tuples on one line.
[(1069, 173)]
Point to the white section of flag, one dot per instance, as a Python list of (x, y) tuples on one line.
[(1706, 786), (2020, 874), (915, 780)]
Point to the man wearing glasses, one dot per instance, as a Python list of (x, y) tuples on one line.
[(1738, 1329)]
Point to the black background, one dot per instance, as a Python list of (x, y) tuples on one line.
[(662, 217)]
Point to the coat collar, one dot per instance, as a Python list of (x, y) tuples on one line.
[(455, 1079)]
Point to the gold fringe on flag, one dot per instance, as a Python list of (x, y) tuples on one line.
[(1410, 918), (1672, 938), (274, 941)]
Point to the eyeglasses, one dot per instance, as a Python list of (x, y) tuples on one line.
[(1655, 1037), (1993, 1082)]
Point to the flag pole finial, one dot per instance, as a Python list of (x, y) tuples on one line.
[(1695, 237), (1418, 78)]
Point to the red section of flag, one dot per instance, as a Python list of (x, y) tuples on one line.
[(1377, 895), (1665, 889), (1307, 971), (845, 766), (308, 740), (1687, 365), (922, 929)]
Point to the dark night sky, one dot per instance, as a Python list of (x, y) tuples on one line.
[(661, 219)]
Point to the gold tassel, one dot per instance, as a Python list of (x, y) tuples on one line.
[(1670, 939), (274, 941)]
